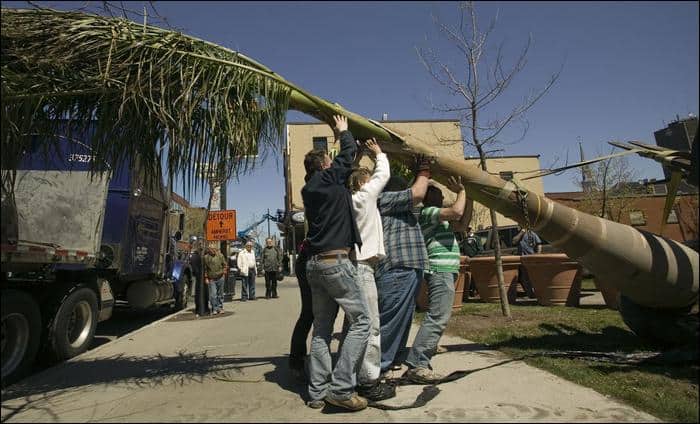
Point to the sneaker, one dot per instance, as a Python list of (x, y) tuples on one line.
[(354, 403), (316, 404), (421, 375), (377, 392)]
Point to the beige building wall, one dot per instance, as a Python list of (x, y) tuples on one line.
[(506, 164)]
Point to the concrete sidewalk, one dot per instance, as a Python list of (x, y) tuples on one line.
[(233, 367)]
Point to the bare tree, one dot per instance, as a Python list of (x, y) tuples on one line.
[(477, 84), (610, 191)]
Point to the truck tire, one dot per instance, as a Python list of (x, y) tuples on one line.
[(183, 294), (21, 334), (73, 327)]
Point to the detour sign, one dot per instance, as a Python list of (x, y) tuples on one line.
[(221, 225)]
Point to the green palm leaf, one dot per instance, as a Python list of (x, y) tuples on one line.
[(140, 87)]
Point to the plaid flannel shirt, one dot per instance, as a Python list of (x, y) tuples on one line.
[(403, 240)]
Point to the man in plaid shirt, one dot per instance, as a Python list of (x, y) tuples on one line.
[(399, 273)]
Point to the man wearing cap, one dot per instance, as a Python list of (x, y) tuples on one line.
[(214, 274)]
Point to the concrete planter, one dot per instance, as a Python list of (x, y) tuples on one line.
[(483, 271), (422, 300), (611, 295), (555, 278)]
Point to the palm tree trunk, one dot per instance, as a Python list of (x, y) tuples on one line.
[(649, 269)]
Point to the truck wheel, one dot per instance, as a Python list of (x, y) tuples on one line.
[(21, 334), (73, 327), (183, 295)]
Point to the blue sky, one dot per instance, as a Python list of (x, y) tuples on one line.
[(629, 68)]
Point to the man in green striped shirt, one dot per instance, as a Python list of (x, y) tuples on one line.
[(438, 225)]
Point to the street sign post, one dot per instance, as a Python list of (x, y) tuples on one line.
[(221, 225)]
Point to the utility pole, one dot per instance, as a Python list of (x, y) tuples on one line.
[(268, 222)]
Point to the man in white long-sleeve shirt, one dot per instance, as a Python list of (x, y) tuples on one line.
[(248, 269), (365, 188)]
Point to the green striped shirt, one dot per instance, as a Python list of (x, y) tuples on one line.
[(443, 250)]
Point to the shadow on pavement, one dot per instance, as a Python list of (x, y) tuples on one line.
[(610, 348), (144, 371), (282, 376)]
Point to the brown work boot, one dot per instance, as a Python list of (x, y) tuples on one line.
[(354, 403)]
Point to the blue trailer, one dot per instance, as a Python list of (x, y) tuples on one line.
[(73, 246)]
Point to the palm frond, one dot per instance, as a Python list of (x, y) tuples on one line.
[(139, 90)]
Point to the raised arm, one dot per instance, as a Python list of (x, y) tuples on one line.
[(518, 237), (454, 212), (463, 223), (420, 185), (348, 147), (381, 173)]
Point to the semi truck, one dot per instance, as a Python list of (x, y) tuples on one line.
[(76, 243)]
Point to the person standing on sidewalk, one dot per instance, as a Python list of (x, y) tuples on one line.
[(201, 293), (332, 275), (366, 187), (248, 268), (214, 274), (472, 247), (297, 349), (438, 225), (272, 265), (528, 243), (232, 267), (399, 274)]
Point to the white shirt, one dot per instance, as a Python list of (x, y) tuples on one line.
[(364, 209), (246, 260)]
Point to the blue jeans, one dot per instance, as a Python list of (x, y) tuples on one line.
[(370, 367), (334, 283), (248, 286), (214, 287), (396, 294), (441, 295)]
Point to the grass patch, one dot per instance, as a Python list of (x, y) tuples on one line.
[(587, 284), (669, 392)]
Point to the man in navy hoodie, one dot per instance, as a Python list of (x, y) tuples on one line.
[(332, 275)]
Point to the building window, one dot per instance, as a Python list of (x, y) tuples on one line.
[(506, 175), (672, 218), (321, 143), (660, 189), (637, 218)]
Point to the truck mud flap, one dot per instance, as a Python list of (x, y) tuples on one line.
[(106, 300)]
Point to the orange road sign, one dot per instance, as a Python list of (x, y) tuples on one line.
[(221, 225)]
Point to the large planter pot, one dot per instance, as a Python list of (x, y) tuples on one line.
[(483, 270), (554, 277), (611, 295), (422, 300)]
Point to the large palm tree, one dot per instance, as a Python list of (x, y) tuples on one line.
[(144, 88)]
